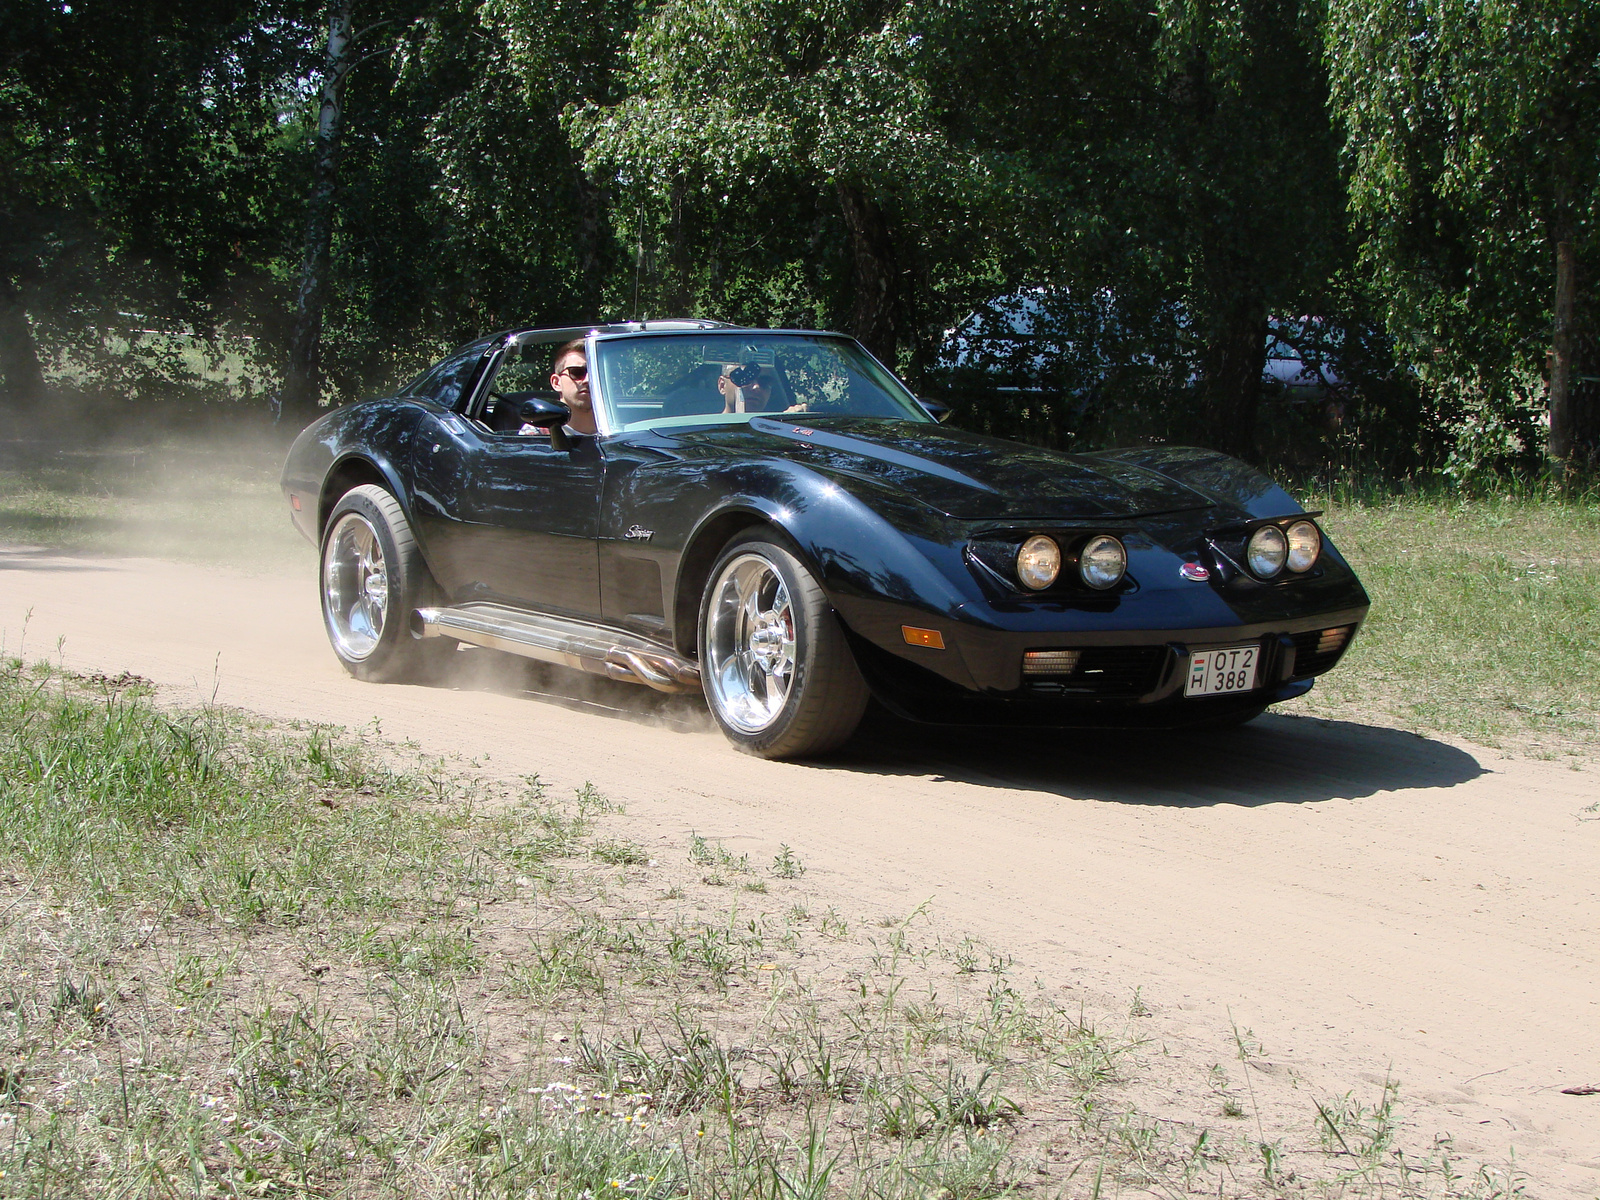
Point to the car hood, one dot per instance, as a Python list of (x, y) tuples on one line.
[(963, 475)]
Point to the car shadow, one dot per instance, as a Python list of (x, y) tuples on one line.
[(1275, 759)]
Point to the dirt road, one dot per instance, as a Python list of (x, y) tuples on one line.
[(1366, 902)]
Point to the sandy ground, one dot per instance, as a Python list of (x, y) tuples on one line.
[(1366, 902)]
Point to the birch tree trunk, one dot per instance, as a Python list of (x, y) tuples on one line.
[(302, 380), (874, 309)]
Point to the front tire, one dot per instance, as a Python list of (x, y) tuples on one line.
[(373, 577), (778, 675)]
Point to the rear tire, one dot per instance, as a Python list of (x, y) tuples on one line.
[(373, 577), (778, 675)]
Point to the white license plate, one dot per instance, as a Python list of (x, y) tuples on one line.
[(1218, 672)]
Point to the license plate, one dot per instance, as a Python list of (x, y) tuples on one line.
[(1220, 671)]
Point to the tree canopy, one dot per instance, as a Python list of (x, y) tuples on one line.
[(1473, 142), (338, 190)]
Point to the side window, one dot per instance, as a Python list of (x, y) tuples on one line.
[(519, 375), (530, 374), (445, 383)]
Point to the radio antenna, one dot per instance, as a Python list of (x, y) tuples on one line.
[(638, 262)]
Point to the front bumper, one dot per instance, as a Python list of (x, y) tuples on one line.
[(1123, 678)]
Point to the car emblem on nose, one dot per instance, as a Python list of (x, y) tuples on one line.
[(1195, 571), (638, 533)]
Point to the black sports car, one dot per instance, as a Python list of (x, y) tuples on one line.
[(771, 516)]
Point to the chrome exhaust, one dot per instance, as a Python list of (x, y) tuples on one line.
[(564, 642)]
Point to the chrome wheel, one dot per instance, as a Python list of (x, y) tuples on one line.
[(355, 587), (750, 643)]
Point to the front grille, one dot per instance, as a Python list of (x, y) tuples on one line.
[(1316, 650), (1050, 662), (1104, 671)]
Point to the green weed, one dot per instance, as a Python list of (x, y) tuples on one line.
[(786, 866)]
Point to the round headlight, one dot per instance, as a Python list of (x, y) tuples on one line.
[(1305, 543), (1268, 548), (1038, 562), (1103, 562)]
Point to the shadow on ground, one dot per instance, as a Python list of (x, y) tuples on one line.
[(43, 558), (1275, 759)]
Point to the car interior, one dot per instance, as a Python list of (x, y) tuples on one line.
[(696, 394), (522, 373)]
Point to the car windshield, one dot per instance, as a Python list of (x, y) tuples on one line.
[(663, 381)]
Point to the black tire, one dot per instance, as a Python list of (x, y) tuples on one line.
[(368, 619), (815, 704)]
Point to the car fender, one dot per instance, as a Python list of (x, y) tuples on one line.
[(857, 554), (358, 467), (362, 443)]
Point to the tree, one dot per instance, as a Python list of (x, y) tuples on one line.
[(1181, 160), (774, 106), (1473, 137), (462, 208), (131, 169), (302, 376)]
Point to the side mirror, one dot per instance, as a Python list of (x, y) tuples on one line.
[(544, 413), (939, 412)]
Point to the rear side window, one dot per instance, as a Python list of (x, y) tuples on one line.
[(446, 382)]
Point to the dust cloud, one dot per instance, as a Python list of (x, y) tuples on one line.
[(204, 490), (473, 668), (201, 487)]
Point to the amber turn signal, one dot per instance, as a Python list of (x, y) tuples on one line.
[(931, 638)]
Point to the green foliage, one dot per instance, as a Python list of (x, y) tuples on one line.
[(464, 209), (1472, 133), (138, 178), (1164, 180)]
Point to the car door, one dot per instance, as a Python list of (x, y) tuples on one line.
[(520, 518), (532, 518), (438, 472)]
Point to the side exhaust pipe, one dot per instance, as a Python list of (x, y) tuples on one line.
[(564, 642)]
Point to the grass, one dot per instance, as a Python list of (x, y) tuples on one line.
[(1485, 618), (247, 960)]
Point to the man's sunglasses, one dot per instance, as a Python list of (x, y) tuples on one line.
[(578, 371), (746, 375)]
